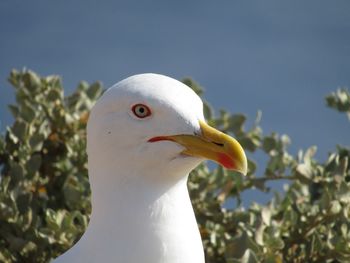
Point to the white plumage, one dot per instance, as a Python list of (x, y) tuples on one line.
[(141, 211)]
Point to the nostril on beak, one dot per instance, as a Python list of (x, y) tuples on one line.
[(218, 144), (198, 133)]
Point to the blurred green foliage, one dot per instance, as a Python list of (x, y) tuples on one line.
[(340, 100), (45, 194), (44, 188)]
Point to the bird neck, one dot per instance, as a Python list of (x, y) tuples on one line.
[(138, 219)]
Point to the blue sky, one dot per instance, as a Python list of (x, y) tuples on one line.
[(281, 57)]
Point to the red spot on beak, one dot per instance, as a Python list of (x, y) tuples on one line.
[(226, 161)]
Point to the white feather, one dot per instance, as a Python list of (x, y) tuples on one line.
[(141, 210)]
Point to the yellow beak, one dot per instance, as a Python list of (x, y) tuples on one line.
[(213, 145)]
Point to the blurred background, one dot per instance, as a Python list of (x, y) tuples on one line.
[(280, 57)]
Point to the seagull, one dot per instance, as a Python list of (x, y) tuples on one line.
[(144, 136)]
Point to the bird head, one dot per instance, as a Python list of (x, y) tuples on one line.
[(150, 120)]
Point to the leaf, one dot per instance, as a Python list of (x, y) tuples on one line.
[(94, 91), (73, 193), (249, 257), (27, 112), (339, 100), (54, 218), (273, 242), (16, 172), (343, 195), (235, 123), (285, 140), (54, 95), (237, 247), (304, 172), (14, 78), (272, 258), (31, 81), (83, 86), (36, 142), (266, 215), (344, 230), (259, 234), (309, 154), (20, 129), (28, 248), (251, 167), (34, 163), (249, 143), (335, 207), (2, 144), (269, 144), (14, 110), (23, 202)]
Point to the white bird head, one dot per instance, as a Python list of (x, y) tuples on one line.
[(137, 109), (151, 120), (144, 136)]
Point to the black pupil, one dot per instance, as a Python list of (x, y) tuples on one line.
[(141, 109)]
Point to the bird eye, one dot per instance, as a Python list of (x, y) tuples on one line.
[(141, 111)]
